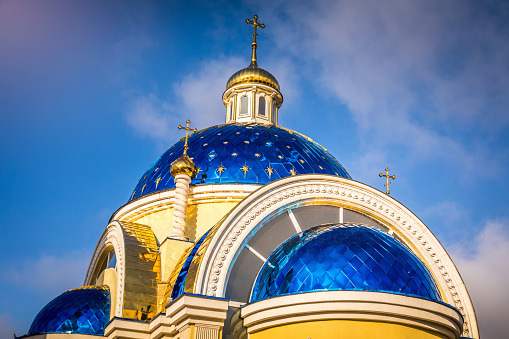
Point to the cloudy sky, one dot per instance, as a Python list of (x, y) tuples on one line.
[(91, 93)]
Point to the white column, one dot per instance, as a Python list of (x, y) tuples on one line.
[(180, 206)]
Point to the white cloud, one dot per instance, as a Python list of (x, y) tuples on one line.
[(48, 275), (426, 76), (7, 326), (196, 97), (483, 266)]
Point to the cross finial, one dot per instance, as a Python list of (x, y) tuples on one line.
[(255, 25), (388, 182), (187, 134)]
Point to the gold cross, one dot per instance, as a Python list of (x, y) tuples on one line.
[(388, 182), (255, 24), (187, 134)]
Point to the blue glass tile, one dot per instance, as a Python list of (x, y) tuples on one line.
[(344, 257), (84, 310), (234, 145), (178, 288)]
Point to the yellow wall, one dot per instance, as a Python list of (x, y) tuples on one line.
[(351, 329), (200, 218), (108, 277)]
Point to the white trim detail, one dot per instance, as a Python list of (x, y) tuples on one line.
[(250, 212), (294, 221), (255, 252), (112, 236), (359, 305), (341, 215)]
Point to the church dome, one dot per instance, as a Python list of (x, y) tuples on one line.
[(346, 256), (83, 310), (241, 153), (252, 75)]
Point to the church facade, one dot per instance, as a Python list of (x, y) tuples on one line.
[(251, 230)]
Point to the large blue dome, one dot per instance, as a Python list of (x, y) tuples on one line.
[(242, 153), (335, 257), (84, 310)]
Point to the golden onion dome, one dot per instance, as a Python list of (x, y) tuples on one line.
[(252, 74), (183, 165)]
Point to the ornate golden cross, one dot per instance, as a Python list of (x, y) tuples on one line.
[(255, 24), (187, 134), (387, 176)]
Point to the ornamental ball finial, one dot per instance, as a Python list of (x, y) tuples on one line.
[(184, 165)]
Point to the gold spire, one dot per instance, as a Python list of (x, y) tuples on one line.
[(184, 164), (387, 176), (255, 25), (187, 134)]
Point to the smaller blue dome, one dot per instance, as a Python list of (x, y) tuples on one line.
[(334, 257), (83, 310)]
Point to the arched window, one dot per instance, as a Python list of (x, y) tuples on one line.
[(244, 105), (261, 106)]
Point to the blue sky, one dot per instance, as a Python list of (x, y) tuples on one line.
[(91, 93)]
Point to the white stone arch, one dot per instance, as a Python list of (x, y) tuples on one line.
[(227, 241), (112, 236)]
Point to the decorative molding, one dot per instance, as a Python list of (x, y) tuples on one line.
[(351, 305), (112, 236), (276, 195)]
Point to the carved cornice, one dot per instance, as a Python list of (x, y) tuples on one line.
[(274, 196), (112, 236)]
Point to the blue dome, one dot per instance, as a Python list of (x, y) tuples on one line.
[(242, 153), (84, 310), (336, 257)]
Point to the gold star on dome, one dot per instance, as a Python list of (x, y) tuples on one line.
[(158, 181), (220, 169), (247, 142), (143, 188), (288, 147), (205, 144), (280, 156), (269, 171), (212, 155), (292, 172), (320, 167), (198, 169), (234, 154), (245, 168), (132, 196), (157, 169), (257, 155), (302, 161), (225, 142)]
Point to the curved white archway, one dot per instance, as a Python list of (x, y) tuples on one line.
[(244, 218)]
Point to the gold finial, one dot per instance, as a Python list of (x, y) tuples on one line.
[(187, 134), (255, 24), (388, 182)]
